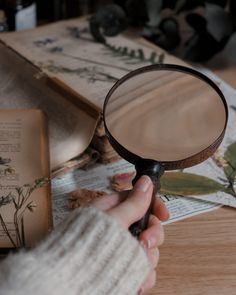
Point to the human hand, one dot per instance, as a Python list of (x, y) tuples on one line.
[(127, 208)]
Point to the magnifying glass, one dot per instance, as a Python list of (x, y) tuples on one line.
[(164, 117)]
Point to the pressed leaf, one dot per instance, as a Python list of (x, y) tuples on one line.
[(178, 183), (230, 154), (230, 157), (153, 57), (124, 50), (141, 54), (4, 161), (230, 173), (161, 58), (5, 200)]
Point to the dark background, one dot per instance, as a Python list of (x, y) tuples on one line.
[(52, 10)]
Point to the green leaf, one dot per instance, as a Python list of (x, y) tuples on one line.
[(124, 50), (230, 157), (230, 173), (132, 53), (161, 58), (230, 154), (141, 54), (178, 183), (153, 57)]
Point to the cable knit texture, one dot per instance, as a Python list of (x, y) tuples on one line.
[(89, 254)]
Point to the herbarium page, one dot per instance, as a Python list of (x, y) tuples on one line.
[(66, 50), (25, 202)]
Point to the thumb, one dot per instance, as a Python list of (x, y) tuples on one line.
[(136, 205)]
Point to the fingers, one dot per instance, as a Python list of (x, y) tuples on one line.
[(107, 202), (153, 257), (136, 205), (153, 236), (149, 283), (160, 210)]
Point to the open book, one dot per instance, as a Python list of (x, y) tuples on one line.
[(67, 74), (25, 201)]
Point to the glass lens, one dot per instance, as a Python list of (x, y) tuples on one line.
[(165, 115)]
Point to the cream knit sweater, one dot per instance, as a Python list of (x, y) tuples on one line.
[(89, 254)]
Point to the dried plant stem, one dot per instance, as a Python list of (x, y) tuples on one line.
[(17, 228), (97, 62), (20, 202), (18, 219), (7, 231), (22, 232)]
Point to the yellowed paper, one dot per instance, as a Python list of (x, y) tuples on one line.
[(24, 164), (67, 51), (70, 128)]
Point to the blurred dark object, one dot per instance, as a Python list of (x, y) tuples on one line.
[(209, 24), (232, 11), (3, 27), (20, 14), (50, 10), (202, 45), (109, 21), (169, 38), (54, 10), (74, 8), (136, 12)]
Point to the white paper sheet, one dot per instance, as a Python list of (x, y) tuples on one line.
[(209, 167)]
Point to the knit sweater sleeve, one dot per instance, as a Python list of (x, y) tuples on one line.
[(90, 253)]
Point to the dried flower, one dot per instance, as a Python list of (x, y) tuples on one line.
[(220, 162), (83, 197)]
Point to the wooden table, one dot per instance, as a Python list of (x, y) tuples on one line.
[(199, 256), (199, 253)]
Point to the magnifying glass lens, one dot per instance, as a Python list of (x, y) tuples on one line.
[(165, 115)]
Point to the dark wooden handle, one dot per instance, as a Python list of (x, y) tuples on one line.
[(154, 170)]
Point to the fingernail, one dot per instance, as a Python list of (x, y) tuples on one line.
[(144, 245), (151, 243), (143, 184)]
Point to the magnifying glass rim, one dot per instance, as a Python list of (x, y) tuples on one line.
[(168, 165)]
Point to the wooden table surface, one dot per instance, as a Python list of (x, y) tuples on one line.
[(199, 253), (199, 256)]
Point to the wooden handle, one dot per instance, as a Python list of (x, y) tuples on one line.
[(154, 170)]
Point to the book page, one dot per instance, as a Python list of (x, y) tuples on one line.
[(25, 203), (67, 51), (70, 128)]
